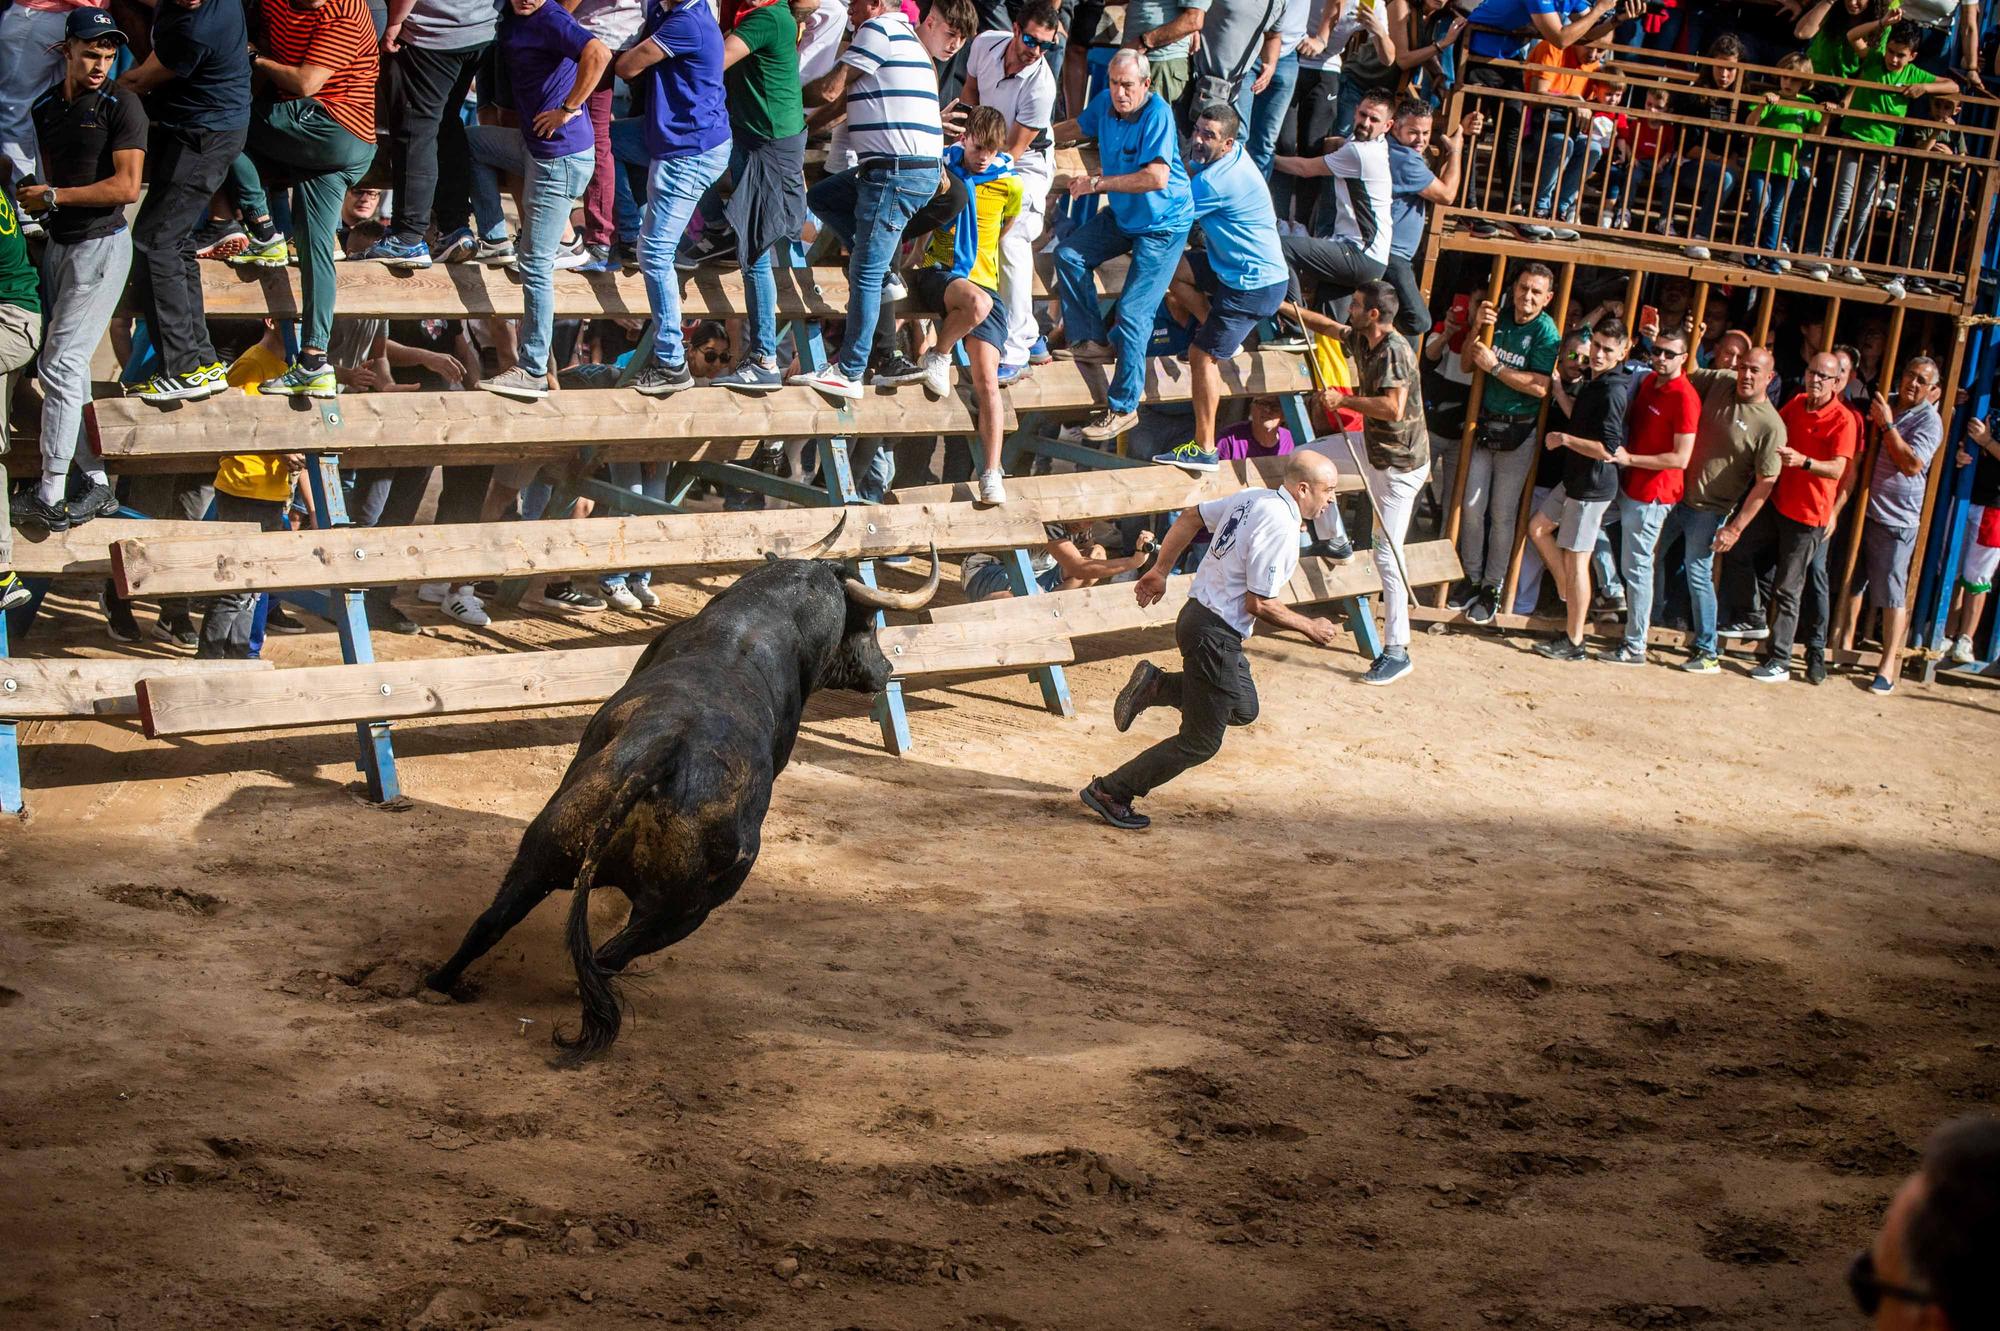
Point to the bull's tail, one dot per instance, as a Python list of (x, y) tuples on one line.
[(602, 1011)]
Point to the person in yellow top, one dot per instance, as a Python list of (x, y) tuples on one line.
[(249, 487), (961, 277)]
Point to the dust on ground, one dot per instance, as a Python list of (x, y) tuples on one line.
[(1522, 994)]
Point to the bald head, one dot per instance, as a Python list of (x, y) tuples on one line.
[(1753, 374), (1310, 479)]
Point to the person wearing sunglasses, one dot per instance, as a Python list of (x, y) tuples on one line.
[(1931, 1266), (1822, 437), (1660, 430)]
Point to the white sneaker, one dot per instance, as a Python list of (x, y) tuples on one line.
[(644, 595), (1961, 650), (573, 255), (434, 593), (831, 382), (892, 286), (1895, 288), (937, 374), (463, 607), (619, 595), (992, 488)]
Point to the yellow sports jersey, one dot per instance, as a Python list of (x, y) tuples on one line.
[(995, 200), (254, 475)]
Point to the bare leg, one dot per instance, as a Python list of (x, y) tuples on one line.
[(1895, 623), (1576, 576), (1206, 377), (985, 358)]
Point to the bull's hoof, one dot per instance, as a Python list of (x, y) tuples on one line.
[(453, 985)]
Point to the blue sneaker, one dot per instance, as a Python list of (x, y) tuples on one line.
[(456, 246), (750, 377), (399, 254), (1388, 668), (1014, 374), (1038, 353), (1881, 685), (1189, 458)]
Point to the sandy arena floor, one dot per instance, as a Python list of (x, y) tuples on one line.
[(1520, 995)]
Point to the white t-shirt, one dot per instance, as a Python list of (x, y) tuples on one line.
[(819, 44), (1028, 98), (892, 102), (1362, 190), (1253, 547), (613, 22)]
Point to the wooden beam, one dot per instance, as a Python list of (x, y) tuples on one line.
[(1078, 496), (1066, 385), (955, 649), (85, 552), (383, 556), (72, 689)]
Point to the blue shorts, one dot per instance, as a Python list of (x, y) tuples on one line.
[(1231, 313), (927, 287), (990, 578)]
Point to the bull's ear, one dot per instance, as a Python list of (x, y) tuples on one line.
[(770, 556)]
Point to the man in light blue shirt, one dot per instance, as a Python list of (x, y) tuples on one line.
[(1147, 213), (1239, 282)]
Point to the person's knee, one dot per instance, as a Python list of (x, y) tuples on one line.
[(1242, 713), (1199, 746)]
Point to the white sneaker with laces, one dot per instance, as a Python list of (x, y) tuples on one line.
[(831, 382), (937, 374), (619, 595), (1961, 650), (434, 593), (465, 608), (892, 286), (992, 488), (644, 595)]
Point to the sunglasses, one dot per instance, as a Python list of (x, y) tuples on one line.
[(1037, 44), (1870, 1289)]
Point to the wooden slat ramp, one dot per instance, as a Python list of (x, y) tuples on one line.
[(72, 689), (384, 556), (85, 552)]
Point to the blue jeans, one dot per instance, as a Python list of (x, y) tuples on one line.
[(1566, 159), (1154, 256), (674, 188), (550, 186), (1699, 528), (1767, 198), (1639, 540), (1264, 113), (628, 147), (641, 478), (868, 208)]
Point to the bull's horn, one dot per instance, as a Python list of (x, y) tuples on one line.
[(825, 542), (862, 594)]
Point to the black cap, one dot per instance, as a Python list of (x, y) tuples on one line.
[(90, 25)]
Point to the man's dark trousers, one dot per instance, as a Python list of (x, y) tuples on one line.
[(1797, 545), (430, 165), (1212, 690), (188, 166)]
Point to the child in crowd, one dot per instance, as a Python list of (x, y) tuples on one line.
[(1917, 227), (1564, 158), (1641, 144), (1774, 160)]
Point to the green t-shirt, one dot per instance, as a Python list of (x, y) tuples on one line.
[(1780, 157), (1530, 346), (1887, 98), (18, 283), (765, 98)]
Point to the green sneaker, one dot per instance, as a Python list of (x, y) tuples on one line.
[(262, 254), (1188, 457), (172, 388), (1702, 663), (213, 378), (13, 591), (301, 382)]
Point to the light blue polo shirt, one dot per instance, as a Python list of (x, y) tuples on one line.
[(1125, 146), (1232, 204)]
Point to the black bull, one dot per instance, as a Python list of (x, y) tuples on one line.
[(666, 796)]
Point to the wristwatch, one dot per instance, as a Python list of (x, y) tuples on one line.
[(569, 110)]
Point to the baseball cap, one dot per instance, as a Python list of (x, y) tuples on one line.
[(89, 25)]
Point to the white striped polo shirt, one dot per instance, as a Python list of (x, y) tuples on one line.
[(892, 103)]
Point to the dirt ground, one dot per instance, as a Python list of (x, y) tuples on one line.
[(1520, 995)]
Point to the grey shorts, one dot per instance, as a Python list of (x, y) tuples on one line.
[(1577, 520), (1885, 554)]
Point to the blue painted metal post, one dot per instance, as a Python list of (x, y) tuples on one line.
[(10, 746), (1360, 613), (377, 760)]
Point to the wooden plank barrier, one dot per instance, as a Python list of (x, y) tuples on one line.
[(85, 552), (1083, 496), (71, 688)]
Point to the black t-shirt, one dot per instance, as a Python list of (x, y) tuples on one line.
[(1985, 472), (77, 139), (427, 335), (207, 50), (1599, 415)]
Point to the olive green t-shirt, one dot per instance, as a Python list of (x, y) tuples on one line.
[(18, 283), (1735, 445), (765, 98), (1528, 346)]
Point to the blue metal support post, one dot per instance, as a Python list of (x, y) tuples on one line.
[(377, 759)]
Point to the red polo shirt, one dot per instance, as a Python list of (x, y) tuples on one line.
[(1831, 432), (1660, 410)]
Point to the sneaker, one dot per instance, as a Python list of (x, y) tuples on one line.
[(573, 255), (1961, 650), (1136, 696), (1778, 265), (1340, 551), (31, 511), (212, 378), (495, 253), (178, 630), (220, 238), (1014, 374), (619, 595), (171, 388), (14, 592), (1484, 606), (1487, 229), (433, 593), (1190, 457), (660, 380), (1108, 424), (398, 253), (280, 620), (1815, 665), (1881, 684), (1773, 671), (1388, 668), (1702, 663), (1038, 352), (892, 286), (624, 256), (456, 246), (712, 247), (1092, 353), (1698, 253), (992, 488), (937, 374), (1286, 336), (1917, 286), (1461, 596), (1818, 272), (1745, 630), (643, 594), (832, 381), (1895, 289), (99, 501), (1626, 655), (1853, 274), (1536, 231), (750, 376), (1119, 813), (895, 372), (1565, 234), (1607, 607), (563, 598), (518, 384), (1562, 649), (463, 607), (118, 620), (597, 260), (301, 382), (256, 253)]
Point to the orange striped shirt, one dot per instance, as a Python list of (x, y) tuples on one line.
[(339, 36)]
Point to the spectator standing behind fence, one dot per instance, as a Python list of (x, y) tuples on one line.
[(314, 126), (1564, 72), (1565, 530), (1821, 439), (91, 138), (678, 65), (20, 338), (1659, 439), (196, 88), (552, 63), (1413, 188), (1774, 165), (1240, 39), (1159, 30), (1147, 211), (1979, 556), (31, 38), (1910, 435), (431, 49), (1517, 365), (1917, 226), (616, 23), (1271, 97), (1356, 247)]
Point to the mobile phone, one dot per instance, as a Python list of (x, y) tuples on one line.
[(1461, 307), (1649, 316)]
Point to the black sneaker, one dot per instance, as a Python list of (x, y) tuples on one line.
[(1815, 665), (99, 501), (384, 617), (281, 620), (1119, 813), (659, 380), (1136, 696), (14, 592), (118, 621), (1340, 553), (30, 511), (178, 630), (1562, 649), (1461, 596), (625, 254), (1484, 606), (896, 370), (717, 247), (1607, 607), (1748, 630)]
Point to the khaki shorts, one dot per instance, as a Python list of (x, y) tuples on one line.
[(20, 339)]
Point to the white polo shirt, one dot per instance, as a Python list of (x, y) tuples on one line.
[(1363, 191), (1253, 546), (1027, 98)]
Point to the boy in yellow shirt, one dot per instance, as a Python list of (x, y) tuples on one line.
[(249, 487)]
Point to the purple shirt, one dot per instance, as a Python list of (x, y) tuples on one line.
[(686, 114), (540, 52), (1235, 444)]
